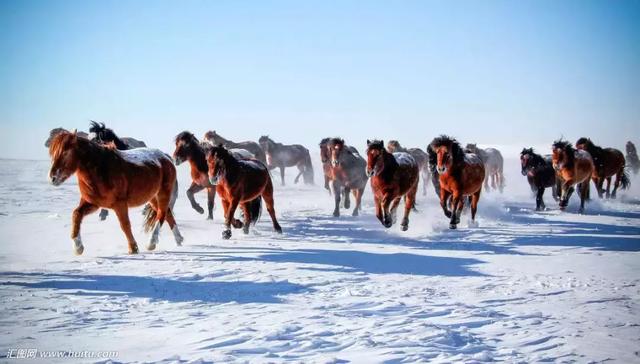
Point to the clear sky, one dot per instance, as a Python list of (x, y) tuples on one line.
[(493, 72)]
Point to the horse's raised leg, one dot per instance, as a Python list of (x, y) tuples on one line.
[(228, 218), (409, 204), (83, 209), (337, 192), (608, 195), (567, 190), (103, 214), (211, 197), (267, 196), (122, 211), (326, 183), (194, 188)]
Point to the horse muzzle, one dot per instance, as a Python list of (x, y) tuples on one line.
[(178, 161), (524, 172), (441, 170), (369, 172), (57, 178), (335, 163), (214, 180)]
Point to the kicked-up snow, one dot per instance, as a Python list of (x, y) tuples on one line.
[(523, 286)]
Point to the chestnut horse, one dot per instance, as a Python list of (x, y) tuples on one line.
[(607, 162), (419, 156), (493, 164), (632, 157), (393, 175), (540, 175), (460, 174), (253, 147), (241, 182), (348, 171), (188, 148), (282, 156), (573, 167), (116, 180)]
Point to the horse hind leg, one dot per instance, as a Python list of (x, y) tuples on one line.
[(267, 196), (409, 204), (474, 207), (347, 198), (122, 211), (615, 187), (103, 214), (583, 187), (300, 173), (357, 193)]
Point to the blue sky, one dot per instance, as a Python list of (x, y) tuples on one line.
[(492, 72)]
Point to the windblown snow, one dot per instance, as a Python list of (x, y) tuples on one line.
[(524, 286)]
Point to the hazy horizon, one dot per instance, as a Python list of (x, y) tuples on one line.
[(492, 72)]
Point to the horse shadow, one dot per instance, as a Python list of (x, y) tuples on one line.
[(155, 288)]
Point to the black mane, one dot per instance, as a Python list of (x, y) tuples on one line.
[(446, 141), (375, 144), (324, 141), (594, 150), (106, 135)]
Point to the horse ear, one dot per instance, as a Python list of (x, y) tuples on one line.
[(368, 142), (382, 142)]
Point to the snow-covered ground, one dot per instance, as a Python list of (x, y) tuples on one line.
[(521, 287)]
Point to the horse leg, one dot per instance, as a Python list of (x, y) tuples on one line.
[(357, 195), (326, 183), (567, 190), (454, 213), (103, 214), (378, 203), (211, 197), (486, 181), (554, 191), (247, 216), (301, 171), (501, 183), (583, 186), (394, 208), (267, 196), (609, 187), (228, 218), (83, 209), (539, 202), (282, 175), (494, 178), (459, 209), (386, 218), (444, 197), (122, 211), (347, 198), (474, 206), (598, 183), (174, 227), (194, 188), (409, 204), (337, 192), (618, 182)]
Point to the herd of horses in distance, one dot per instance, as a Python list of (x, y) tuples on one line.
[(117, 173)]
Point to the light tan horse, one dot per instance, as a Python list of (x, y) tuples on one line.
[(573, 167)]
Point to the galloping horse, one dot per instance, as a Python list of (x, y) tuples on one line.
[(540, 175), (493, 163), (632, 157), (188, 148), (573, 166), (105, 135), (253, 147), (461, 174), (419, 156), (241, 182), (281, 156), (117, 180), (347, 171), (393, 175), (607, 162), (56, 131)]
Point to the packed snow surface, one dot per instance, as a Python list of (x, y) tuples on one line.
[(523, 286)]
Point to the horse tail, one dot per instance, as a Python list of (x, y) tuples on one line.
[(255, 209), (150, 217), (307, 175), (624, 179)]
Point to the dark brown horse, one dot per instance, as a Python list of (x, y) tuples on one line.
[(104, 135), (348, 171), (240, 182), (281, 156), (419, 155), (493, 164), (253, 147), (608, 162), (188, 148), (116, 180), (632, 157), (461, 174), (573, 167), (393, 175), (540, 175)]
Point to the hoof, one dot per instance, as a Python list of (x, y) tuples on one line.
[(179, 241), (78, 250), (245, 230), (226, 234), (210, 217), (452, 226), (404, 227), (133, 250), (151, 246), (238, 224), (355, 213), (347, 204), (278, 229), (387, 223), (199, 209), (336, 213)]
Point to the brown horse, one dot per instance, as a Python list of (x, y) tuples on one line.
[(493, 164), (573, 167), (393, 175), (241, 182), (632, 157), (253, 147), (188, 148), (460, 174), (116, 180), (607, 162), (281, 156), (348, 173), (420, 157)]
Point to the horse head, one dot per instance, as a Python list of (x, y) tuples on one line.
[(335, 146), (561, 152), (448, 151), (217, 159), (526, 156), (393, 146), (186, 142), (584, 143), (324, 151), (64, 157), (375, 160)]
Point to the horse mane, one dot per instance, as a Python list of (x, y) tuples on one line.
[(432, 160), (264, 139), (595, 151), (324, 141), (454, 146), (375, 144), (567, 147), (536, 159), (105, 135), (202, 147), (336, 141)]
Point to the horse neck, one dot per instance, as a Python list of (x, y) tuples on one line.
[(571, 157), (198, 159), (231, 169), (94, 160), (120, 144), (390, 165), (537, 160)]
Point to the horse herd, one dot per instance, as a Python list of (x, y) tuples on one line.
[(117, 173)]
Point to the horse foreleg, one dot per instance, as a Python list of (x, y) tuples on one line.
[(83, 209), (455, 201), (337, 192), (444, 197), (619, 177), (122, 211), (229, 218), (347, 198), (494, 178), (194, 188), (357, 193), (326, 183), (584, 187), (247, 216), (394, 208), (409, 204), (567, 190), (608, 195), (539, 201), (211, 197), (474, 205), (386, 218), (267, 196)]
